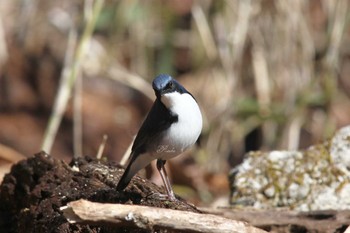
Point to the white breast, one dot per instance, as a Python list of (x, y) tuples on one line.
[(185, 132)]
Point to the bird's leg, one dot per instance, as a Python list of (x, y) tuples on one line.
[(163, 174)]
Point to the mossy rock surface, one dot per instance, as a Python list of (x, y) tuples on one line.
[(317, 178)]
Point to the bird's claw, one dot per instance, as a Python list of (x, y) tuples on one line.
[(163, 197)]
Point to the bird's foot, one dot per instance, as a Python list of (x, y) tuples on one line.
[(163, 197)]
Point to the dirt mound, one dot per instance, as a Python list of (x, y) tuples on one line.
[(32, 194)]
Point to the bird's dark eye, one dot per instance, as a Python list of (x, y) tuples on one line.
[(170, 85)]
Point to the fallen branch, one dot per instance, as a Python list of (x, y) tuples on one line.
[(144, 217), (311, 221)]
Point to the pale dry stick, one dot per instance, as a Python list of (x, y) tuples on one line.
[(225, 54), (3, 46), (294, 132), (67, 84), (240, 31), (77, 118), (301, 72), (148, 218), (127, 153), (102, 147), (261, 76), (232, 42), (213, 52), (88, 4), (204, 31), (120, 74), (77, 98), (300, 69), (338, 29), (262, 83), (63, 93)]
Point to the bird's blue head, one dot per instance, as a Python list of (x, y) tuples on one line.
[(164, 83)]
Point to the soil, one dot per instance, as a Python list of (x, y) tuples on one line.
[(33, 192)]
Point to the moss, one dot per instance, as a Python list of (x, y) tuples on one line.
[(291, 179)]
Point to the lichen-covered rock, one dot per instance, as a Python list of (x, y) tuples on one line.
[(314, 179)]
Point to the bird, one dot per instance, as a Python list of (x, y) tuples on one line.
[(172, 125)]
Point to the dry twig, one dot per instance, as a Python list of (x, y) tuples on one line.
[(144, 217)]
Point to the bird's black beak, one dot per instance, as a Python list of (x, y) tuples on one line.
[(158, 94)]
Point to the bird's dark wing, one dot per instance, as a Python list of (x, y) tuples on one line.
[(158, 119)]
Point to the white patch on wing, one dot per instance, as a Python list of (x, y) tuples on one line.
[(184, 133)]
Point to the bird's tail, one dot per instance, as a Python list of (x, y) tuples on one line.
[(135, 164), (125, 179)]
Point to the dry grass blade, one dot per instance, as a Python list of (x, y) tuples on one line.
[(77, 118), (3, 46), (68, 82), (102, 147), (339, 23), (129, 79), (204, 31)]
